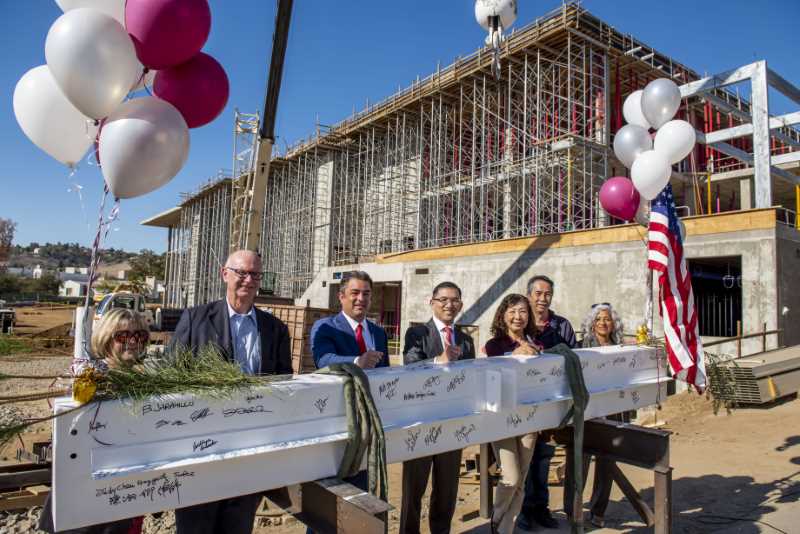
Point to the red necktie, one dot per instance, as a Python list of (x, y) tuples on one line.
[(448, 332), (360, 339)]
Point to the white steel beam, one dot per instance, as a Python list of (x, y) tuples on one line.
[(784, 86), (747, 129), (120, 459), (720, 80), (759, 106)]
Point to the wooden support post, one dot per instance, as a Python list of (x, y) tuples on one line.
[(633, 496), (738, 339), (486, 489), (663, 500)]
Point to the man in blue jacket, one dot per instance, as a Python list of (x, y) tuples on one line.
[(349, 337)]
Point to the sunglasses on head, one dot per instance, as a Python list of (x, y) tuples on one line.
[(123, 336), (596, 304)]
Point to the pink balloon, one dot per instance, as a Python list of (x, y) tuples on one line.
[(198, 88), (167, 32), (619, 198)]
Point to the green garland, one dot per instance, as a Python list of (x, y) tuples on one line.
[(205, 374)]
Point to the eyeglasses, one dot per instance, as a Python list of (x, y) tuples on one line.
[(255, 275), (444, 300), (596, 304), (123, 336)]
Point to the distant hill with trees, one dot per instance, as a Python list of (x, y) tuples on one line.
[(60, 255)]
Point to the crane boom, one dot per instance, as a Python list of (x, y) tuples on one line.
[(249, 189)]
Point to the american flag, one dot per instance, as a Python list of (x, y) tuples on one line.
[(665, 255)]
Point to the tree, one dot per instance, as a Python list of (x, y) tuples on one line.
[(7, 229), (9, 284), (147, 263), (47, 284)]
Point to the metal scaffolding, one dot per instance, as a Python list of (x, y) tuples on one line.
[(198, 245), (462, 157)]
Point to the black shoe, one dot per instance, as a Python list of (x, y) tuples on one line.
[(525, 521), (543, 517)]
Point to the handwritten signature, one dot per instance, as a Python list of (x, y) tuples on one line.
[(456, 381), (462, 434)]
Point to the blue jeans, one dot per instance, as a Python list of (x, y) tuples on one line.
[(537, 493)]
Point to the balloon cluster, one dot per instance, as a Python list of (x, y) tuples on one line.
[(650, 159), (100, 52)]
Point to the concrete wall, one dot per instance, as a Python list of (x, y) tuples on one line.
[(610, 272)]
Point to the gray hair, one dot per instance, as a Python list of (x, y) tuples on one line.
[(589, 339)]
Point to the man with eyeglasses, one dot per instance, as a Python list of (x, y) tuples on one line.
[(255, 340), (440, 342), (552, 330)]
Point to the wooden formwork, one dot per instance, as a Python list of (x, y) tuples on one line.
[(299, 319)]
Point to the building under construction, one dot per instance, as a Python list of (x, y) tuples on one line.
[(485, 181)]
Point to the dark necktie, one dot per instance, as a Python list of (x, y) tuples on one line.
[(362, 346)]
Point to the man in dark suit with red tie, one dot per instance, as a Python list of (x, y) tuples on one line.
[(349, 337), (436, 341)]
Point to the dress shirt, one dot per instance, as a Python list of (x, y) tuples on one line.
[(246, 340), (364, 332), (440, 328)]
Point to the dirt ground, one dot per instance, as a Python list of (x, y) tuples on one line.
[(35, 320), (732, 473)]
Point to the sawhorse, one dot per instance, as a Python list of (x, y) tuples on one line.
[(621, 442)]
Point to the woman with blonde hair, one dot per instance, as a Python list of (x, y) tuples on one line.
[(119, 340), (513, 333)]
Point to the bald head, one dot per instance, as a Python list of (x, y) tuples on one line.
[(242, 276), (240, 257)]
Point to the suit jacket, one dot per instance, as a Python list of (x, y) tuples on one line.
[(423, 342), (209, 323), (333, 341)]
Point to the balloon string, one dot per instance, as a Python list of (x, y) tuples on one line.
[(103, 227), (77, 188)]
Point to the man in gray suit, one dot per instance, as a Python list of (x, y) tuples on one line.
[(255, 340), (437, 341)]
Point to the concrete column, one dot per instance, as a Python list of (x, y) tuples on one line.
[(761, 157), (322, 216), (746, 193)]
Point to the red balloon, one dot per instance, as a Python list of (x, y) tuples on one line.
[(198, 88), (167, 32), (619, 198)]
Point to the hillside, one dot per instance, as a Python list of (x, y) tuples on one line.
[(59, 255)]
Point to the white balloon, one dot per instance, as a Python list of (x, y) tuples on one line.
[(660, 100), (632, 110), (630, 141), (93, 60), (675, 140), (650, 173), (643, 212), (143, 145), (112, 8), (505, 9), (49, 119)]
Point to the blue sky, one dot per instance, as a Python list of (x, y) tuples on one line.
[(340, 54)]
